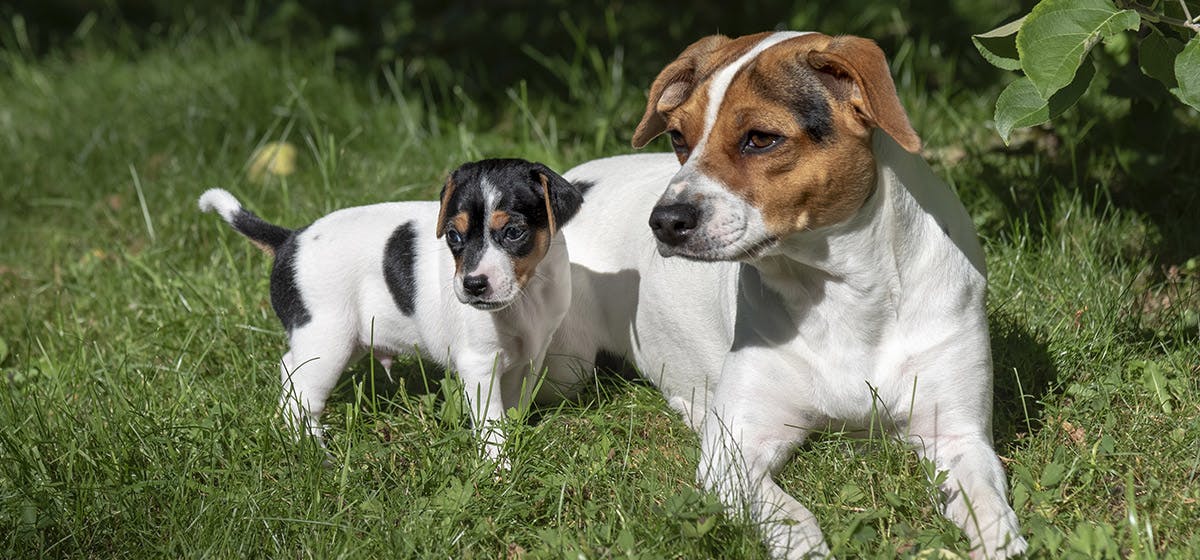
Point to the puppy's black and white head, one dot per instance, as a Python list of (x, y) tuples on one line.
[(498, 217)]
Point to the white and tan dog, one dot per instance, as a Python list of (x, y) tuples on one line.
[(846, 287)]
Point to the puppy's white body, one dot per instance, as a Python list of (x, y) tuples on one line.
[(495, 353), (875, 321), (337, 265)]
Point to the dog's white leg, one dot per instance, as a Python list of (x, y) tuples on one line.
[(974, 490), (309, 372), (747, 437), (738, 461), (484, 394)]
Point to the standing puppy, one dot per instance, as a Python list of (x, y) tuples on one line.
[(821, 277), (368, 276)]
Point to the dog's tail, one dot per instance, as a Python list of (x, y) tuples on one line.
[(266, 235)]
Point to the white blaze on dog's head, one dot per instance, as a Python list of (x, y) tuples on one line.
[(774, 134)]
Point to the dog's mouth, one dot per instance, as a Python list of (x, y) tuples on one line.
[(488, 305), (737, 250)]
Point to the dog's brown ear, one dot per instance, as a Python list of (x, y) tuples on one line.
[(562, 198), (673, 86), (546, 197), (447, 190), (855, 70)]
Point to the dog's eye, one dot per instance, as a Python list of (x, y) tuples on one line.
[(513, 233), (677, 141), (453, 236), (757, 141)]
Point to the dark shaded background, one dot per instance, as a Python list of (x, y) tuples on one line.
[(465, 34)]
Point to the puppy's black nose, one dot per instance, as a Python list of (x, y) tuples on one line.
[(673, 223), (475, 285)]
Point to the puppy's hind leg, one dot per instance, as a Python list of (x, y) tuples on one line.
[(309, 372)]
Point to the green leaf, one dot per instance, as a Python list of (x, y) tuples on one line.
[(1156, 382), (1052, 475), (1057, 35), (999, 46), (1187, 72), (1173, 9), (1156, 57), (1020, 104)]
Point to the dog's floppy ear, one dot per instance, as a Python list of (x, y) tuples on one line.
[(673, 86), (447, 190), (562, 198), (855, 70)]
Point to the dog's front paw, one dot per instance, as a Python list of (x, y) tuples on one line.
[(1011, 548), (494, 453)]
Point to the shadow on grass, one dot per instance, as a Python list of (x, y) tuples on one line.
[(1025, 378), (413, 378), (1142, 160)]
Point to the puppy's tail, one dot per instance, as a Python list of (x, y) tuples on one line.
[(266, 235)]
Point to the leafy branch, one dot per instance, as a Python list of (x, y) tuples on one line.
[(1051, 46)]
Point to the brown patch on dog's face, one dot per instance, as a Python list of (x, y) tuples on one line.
[(525, 267), (787, 145), (498, 220), (793, 134)]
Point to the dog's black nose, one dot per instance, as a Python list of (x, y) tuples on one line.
[(673, 223), (475, 285)]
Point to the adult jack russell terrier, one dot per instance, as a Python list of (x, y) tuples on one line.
[(366, 277), (846, 287)]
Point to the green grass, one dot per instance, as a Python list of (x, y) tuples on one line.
[(139, 377)]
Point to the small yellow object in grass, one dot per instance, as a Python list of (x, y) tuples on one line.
[(274, 158)]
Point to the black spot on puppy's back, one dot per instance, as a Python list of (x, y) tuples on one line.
[(285, 295), (399, 267)]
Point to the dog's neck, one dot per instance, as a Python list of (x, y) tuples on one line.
[(856, 254), (869, 262)]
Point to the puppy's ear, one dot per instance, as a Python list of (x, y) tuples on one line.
[(855, 70), (562, 198), (447, 190), (673, 86)]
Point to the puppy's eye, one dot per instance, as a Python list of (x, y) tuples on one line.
[(454, 237), (513, 233), (757, 142)]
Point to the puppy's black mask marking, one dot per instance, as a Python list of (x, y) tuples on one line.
[(519, 210)]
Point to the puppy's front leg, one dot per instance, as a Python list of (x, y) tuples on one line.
[(484, 394)]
